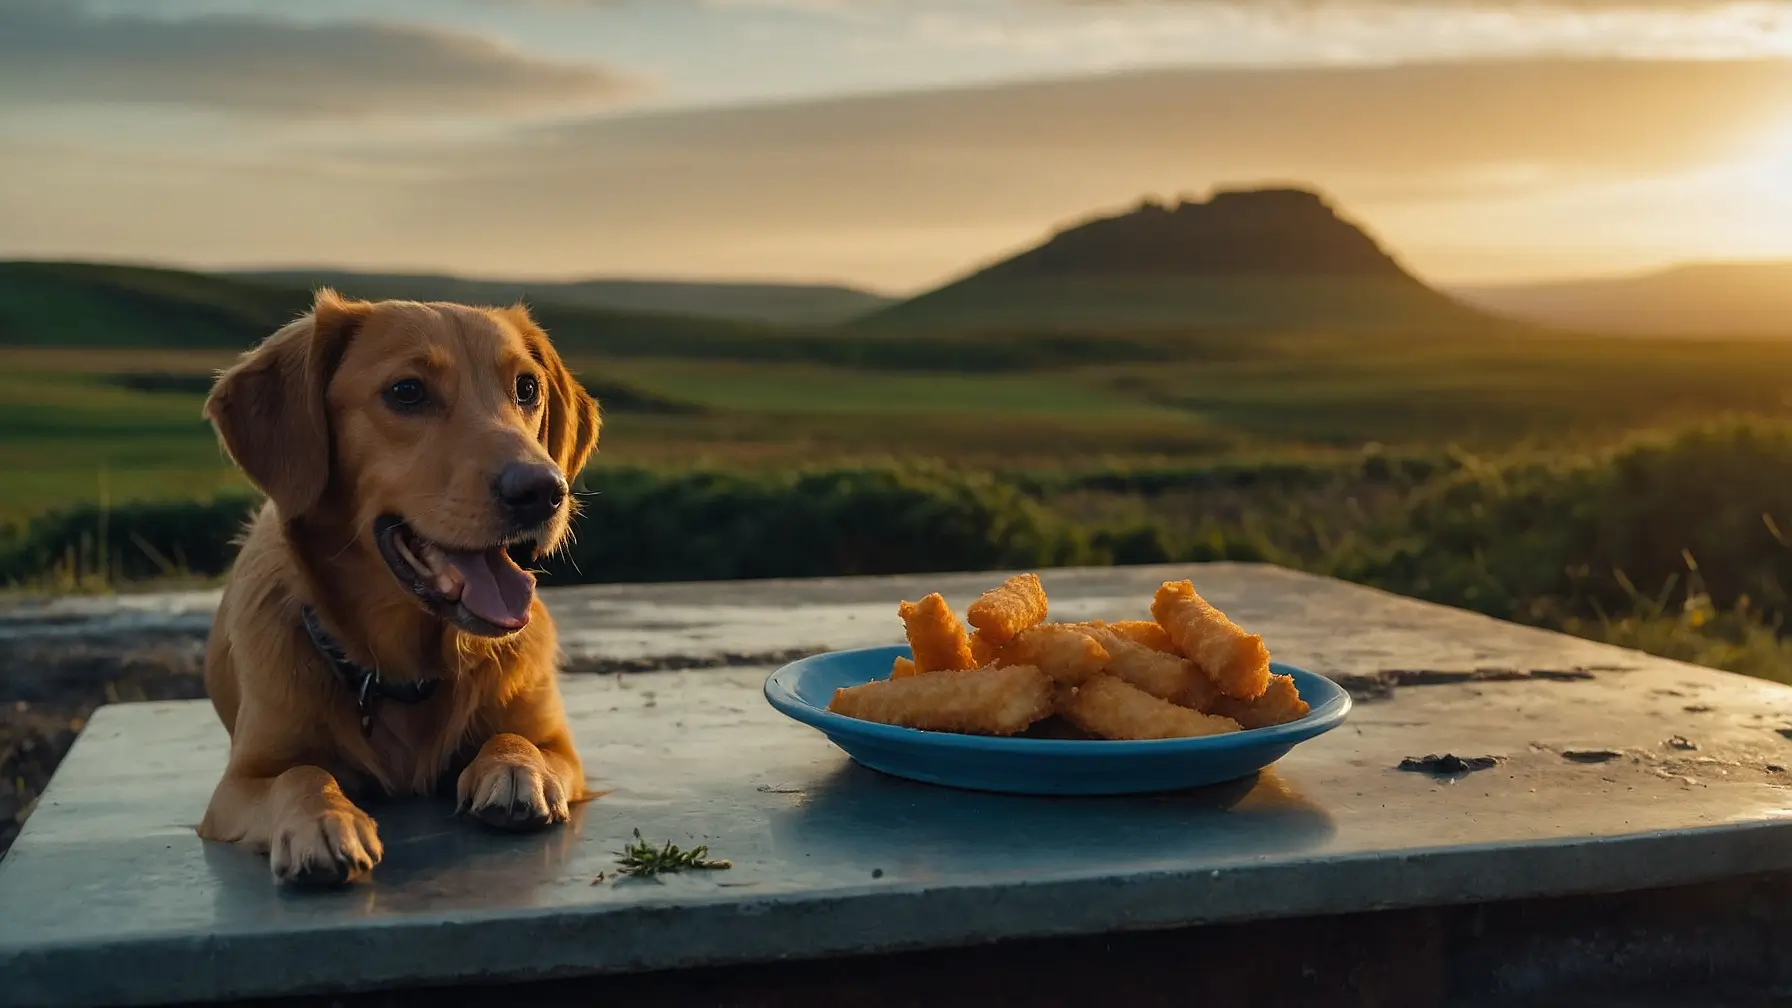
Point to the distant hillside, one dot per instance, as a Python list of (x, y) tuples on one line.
[(60, 304), (55, 304), (1268, 258), (1712, 299), (779, 304)]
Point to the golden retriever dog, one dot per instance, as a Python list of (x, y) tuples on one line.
[(377, 634)]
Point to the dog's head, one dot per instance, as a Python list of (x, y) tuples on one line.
[(441, 437)]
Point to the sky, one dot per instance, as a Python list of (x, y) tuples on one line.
[(891, 145)]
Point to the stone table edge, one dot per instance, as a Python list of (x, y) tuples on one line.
[(528, 945)]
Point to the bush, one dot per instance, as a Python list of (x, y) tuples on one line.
[(127, 543), (636, 525), (641, 526), (1689, 515), (1690, 518)]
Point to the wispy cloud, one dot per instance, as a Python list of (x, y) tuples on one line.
[(57, 52), (900, 190), (1291, 32)]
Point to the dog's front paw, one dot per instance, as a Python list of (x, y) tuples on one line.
[(326, 847), (510, 785)]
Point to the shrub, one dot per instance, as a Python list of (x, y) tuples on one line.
[(1691, 514), (641, 526), (131, 542)]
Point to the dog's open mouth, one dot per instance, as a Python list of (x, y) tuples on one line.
[(483, 591)]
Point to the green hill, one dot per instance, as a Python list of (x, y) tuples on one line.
[(59, 304), (96, 305), (1256, 259), (780, 304)]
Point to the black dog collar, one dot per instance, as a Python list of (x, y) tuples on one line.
[(369, 688)]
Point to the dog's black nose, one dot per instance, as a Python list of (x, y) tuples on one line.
[(530, 493)]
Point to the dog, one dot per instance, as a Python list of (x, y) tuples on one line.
[(376, 635)]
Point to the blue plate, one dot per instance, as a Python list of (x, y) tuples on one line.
[(1038, 766)]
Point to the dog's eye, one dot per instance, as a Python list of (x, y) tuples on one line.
[(406, 393), (528, 390)]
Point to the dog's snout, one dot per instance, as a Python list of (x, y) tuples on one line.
[(530, 493)]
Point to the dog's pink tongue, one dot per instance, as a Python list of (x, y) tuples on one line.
[(497, 590)]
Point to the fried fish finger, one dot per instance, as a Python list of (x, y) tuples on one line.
[(1064, 653), (902, 668), (1002, 612), (1105, 706), (1236, 661), (1146, 632), (1165, 676), (1201, 694), (1279, 704), (982, 651), (989, 701), (935, 636)]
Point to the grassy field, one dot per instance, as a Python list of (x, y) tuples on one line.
[(125, 424), (1129, 442)]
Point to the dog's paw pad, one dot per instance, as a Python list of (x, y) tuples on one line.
[(330, 849), (509, 796)]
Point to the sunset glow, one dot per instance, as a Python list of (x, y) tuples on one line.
[(888, 145)]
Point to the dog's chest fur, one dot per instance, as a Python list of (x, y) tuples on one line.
[(419, 748)]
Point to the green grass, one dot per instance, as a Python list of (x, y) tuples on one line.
[(73, 437), (812, 389), (1279, 395)]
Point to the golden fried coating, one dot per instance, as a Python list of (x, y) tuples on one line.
[(1066, 654), (988, 701), (1146, 632), (1201, 694), (1164, 676), (1105, 706), (982, 651), (1187, 673), (1236, 661), (1279, 704), (935, 635), (1001, 613)]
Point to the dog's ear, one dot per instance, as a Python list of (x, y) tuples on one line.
[(569, 425), (269, 408)]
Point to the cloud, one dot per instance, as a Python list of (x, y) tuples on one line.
[(56, 52), (982, 169), (1471, 169), (1518, 5)]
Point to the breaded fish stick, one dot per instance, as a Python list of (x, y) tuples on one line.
[(982, 651), (990, 701), (1236, 661), (935, 635), (1105, 706), (1279, 704), (1146, 632), (1201, 694), (1001, 613), (1164, 676), (1066, 654), (902, 668)]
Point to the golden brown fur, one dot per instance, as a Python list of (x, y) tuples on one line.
[(303, 415)]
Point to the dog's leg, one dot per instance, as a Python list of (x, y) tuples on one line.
[(516, 784), (312, 833)]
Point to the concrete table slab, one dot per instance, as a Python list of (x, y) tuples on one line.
[(1616, 772)]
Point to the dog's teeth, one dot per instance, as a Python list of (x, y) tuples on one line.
[(449, 582), (410, 556)]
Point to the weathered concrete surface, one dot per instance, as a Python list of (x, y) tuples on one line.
[(1618, 772)]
